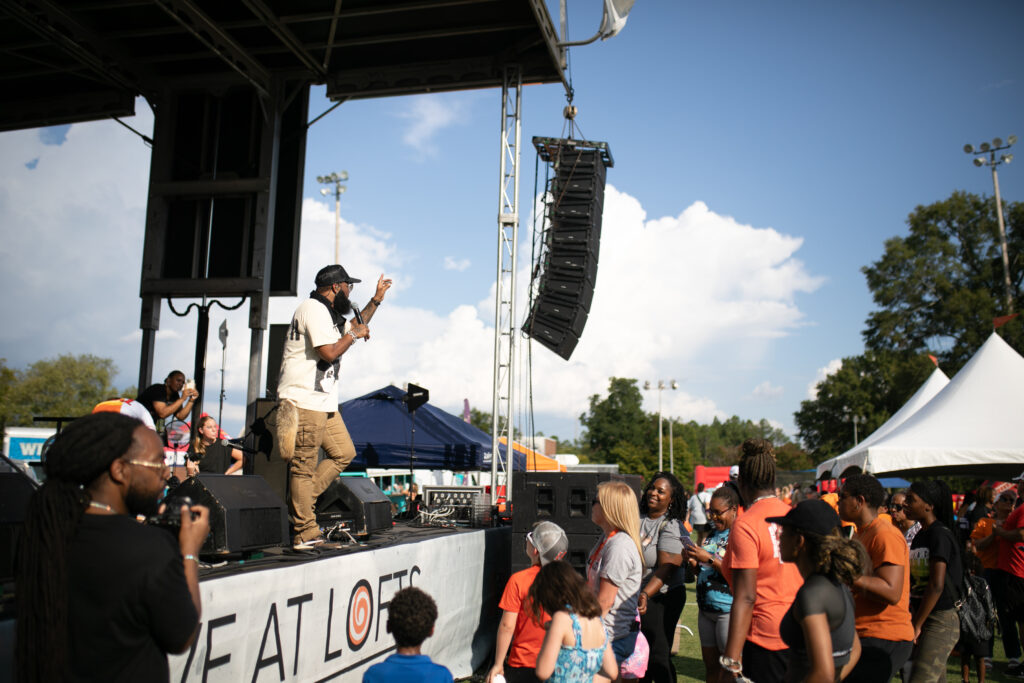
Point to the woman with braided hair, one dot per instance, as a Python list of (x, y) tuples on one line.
[(819, 625), (101, 597), (936, 580), (763, 586)]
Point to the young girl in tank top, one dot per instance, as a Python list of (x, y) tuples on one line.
[(576, 646)]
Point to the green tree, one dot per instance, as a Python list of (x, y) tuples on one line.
[(939, 287), (484, 422), (617, 420), (64, 386), (872, 386), (937, 290)]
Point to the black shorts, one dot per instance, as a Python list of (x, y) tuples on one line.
[(1015, 596)]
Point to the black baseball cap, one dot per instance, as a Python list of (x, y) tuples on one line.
[(332, 275), (815, 516)]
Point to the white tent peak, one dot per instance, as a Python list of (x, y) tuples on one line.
[(935, 383), (973, 425)]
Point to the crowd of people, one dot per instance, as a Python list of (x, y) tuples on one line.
[(791, 585)]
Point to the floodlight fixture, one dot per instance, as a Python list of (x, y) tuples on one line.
[(335, 179), (661, 387), (993, 163)]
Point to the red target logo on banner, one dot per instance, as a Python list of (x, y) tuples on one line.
[(360, 614)]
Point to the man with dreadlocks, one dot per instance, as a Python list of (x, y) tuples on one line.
[(101, 597), (763, 586)]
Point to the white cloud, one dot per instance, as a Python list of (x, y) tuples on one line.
[(831, 368), (690, 291), (452, 264), (766, 390), (429, 114)]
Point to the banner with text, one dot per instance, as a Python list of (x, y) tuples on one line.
[(325, 620)]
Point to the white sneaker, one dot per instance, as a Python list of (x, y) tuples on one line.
[(311, 544)]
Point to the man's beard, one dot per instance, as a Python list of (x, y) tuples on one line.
[(342, 305), (141, 503)]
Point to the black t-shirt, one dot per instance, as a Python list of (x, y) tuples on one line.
[(216, 460), (936, 542), (156, 392), (129, 602), (818, 595)]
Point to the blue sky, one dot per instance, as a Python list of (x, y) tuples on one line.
[(764, 152)]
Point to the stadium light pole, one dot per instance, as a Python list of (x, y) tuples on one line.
[(661, 387), (979, 161), (336, 179)]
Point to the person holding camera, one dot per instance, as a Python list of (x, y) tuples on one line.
[(100, 596), (308, 415), (169, 399)]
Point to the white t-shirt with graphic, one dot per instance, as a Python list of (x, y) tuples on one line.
[(306, 378)]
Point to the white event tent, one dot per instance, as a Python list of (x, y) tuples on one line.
[(834, 467), (972, 427)]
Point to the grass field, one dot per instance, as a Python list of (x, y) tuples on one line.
[(690, 666)]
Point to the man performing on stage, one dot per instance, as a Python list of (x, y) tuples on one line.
[(308, 416)]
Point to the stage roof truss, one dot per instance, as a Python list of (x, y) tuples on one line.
[(80, 60)]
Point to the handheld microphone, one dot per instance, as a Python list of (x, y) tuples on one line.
[(239, 444), (358, 317)]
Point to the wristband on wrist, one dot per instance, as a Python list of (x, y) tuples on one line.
[(376, 302), (733, 666), (192, 557)]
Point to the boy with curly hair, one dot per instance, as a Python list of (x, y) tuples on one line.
[(411, 617)]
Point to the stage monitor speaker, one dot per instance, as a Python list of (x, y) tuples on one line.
[(267, 462), (245, 514), (15, 490), (357, 501)]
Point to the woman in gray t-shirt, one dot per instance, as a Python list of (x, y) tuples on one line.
[(663, 594), (615, 564)]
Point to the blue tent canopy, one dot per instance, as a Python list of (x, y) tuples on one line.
[(381, 429)]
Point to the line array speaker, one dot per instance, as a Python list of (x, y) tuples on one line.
[(572, 241)]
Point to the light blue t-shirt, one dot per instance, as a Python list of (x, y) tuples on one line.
[(712, 590)]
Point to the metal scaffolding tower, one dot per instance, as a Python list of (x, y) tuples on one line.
[(505, 290)]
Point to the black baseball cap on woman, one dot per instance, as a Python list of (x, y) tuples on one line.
[(332, 275), (814, 516)]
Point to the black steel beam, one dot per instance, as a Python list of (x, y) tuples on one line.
[(285, 35), (73, 35), (218, 41)]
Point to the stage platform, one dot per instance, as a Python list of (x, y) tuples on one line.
[(321, 617)]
